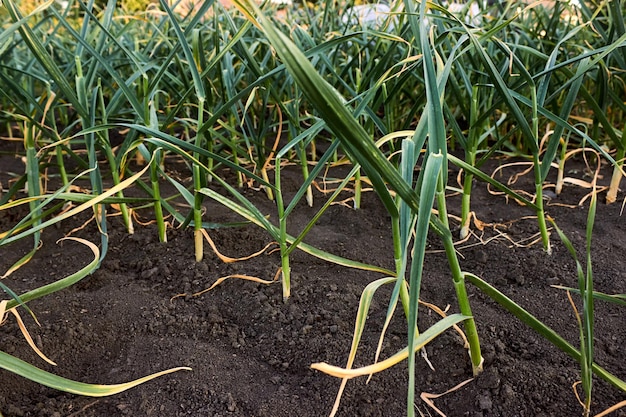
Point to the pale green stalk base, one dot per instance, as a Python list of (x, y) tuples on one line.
[(461, 294), (541, 219), (616, 179), (197, 220), (268, 190), (561, 168), (198, 244), (541, 214), (158, 213), (357, 190), (286, 278), (301, 152), (61, 165), (309, 196), (465, 205), (158, 208), (559, 178)]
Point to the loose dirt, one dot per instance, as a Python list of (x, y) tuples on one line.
[(251, 352)]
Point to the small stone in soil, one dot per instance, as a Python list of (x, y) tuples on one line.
[(507, 393), (232, 405), (484, 402)]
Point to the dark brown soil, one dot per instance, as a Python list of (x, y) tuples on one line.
[(251, 353)]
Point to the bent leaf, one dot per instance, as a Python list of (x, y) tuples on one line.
[(84, 206), (62, 283), (19, 367), (422, 340), (359, 326)]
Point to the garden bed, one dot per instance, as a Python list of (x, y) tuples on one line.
[(250, 352)]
